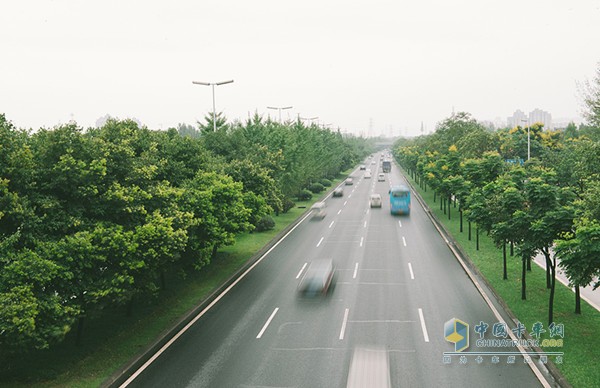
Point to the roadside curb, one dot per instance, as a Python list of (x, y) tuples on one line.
[(453, 245)]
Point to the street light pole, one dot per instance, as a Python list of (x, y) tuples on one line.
[(279, 109), (212, 84)]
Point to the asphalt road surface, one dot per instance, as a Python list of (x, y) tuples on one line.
[(396, 284)]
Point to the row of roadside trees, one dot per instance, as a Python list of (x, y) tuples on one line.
[(95, 219), (549, 204)]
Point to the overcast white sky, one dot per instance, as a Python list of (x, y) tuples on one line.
[(397, 63)]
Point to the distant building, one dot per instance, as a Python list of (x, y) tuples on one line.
[(519, 118), (540, 116)]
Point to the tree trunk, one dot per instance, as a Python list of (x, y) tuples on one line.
[(469, 230), (214, 252), (79, 330), (523, 278), (461, 219), (529, 264), (512, 248), (504, 275), (548, 269), (551, 302), (449, 207), (477, 237), (577, 301), (434, 196)]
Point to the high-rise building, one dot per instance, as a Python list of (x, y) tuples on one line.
[(540, 116), (519, 118)]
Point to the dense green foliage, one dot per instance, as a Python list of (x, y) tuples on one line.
[(94, 220)]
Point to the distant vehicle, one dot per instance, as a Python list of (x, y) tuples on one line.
[(387, 166), (381, 177), (338, 192), (368, 175), (400, 200), (317, 279), (362, 167), (318, 210), (373, 161), (375, 200), (348, 182)]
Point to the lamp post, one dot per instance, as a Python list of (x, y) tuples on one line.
[(280, 109), (213, 96), (308, 118)]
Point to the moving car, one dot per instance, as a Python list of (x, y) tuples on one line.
[(318, 210), (317, 279), (381, 177), (349, 182), (368, 175), (363, 167), (375, 200), (338, 192)]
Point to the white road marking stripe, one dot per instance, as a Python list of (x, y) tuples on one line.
[(361, 241), (301, 269), (365, 224), (400, 223), (343, 330), (267, 323), (330, 225), (423, 326), (355, 271), (320, 241), (346, 202), (412, 275), (339, 211), (403, 241), (349, 196)]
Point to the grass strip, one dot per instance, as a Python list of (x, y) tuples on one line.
[(581, 344)]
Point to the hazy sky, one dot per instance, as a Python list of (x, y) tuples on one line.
[(396, 63)]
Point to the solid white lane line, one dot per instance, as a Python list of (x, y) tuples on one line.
[(320, 241), (330, 225), (215, 301), (267, 323), (339, 211), (361, 241), (400, 223), (403, 241), (343, 330), (301, 269), (412, 275), (423, 326), (365, 224), (355, 271)]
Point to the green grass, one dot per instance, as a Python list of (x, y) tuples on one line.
[(112, 339), (582, 332)]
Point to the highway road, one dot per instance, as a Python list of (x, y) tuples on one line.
[(397, 283)]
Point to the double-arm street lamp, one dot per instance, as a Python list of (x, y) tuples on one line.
[(280, 109), (213, 96)]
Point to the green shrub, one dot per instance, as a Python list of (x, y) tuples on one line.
[(325, 182), (287, 204), (304, 195), (316, 188), (265, 223)]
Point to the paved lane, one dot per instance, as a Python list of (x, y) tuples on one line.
[(396, 285)]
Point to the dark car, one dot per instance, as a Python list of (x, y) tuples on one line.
[(338, 192), (317, 279)]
